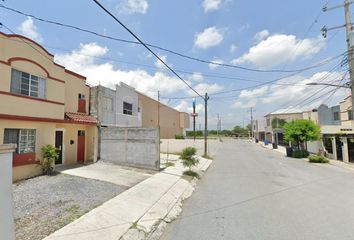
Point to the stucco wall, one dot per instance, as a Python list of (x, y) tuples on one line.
[(7, 226), (115, 115), (326, 114), (170, 119), (136, 147)]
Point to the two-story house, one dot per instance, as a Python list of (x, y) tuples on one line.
[(42, 103)]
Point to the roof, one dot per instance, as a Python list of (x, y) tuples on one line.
[(80, 118), (286, 111)]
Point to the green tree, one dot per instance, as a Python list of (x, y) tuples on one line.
[(278, 123), (301, 131), (188, 157), (239, 130)]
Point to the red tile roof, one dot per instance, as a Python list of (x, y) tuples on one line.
[(80, 118)]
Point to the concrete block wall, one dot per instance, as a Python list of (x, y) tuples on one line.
[(7, 225), (135, 147)]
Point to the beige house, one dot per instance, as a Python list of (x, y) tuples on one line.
[(171, 121), (338, 137), (42, 103), (276, 135)]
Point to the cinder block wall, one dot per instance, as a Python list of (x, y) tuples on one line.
[(135, 147)]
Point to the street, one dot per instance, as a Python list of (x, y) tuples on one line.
[(253, 193)]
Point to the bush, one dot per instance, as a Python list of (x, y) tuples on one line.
[(198, 133), (300, 154), (50, 154), (179, 136), (191, 174), (188, 157), (318, 159)]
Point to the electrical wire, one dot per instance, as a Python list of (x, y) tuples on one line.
[(147, 47), (153, 46)]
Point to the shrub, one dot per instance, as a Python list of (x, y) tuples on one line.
[(179, 136), (188, 157), (300, 154), (318, 159), (50, 154)]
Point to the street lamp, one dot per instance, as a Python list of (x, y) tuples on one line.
[(346, 85)]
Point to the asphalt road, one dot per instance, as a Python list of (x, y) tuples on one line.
[(253, 193)]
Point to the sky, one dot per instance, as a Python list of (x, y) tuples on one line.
[(261, 36)]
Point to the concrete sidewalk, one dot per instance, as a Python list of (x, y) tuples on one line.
[(141, 212), (108, 172)]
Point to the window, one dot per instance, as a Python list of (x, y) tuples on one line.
[(24, 138), (350, 114), (27, 84), (336, 116), (127, 108), (268, 122), (108, 104)]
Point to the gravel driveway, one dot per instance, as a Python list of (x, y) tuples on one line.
[(47, 203)]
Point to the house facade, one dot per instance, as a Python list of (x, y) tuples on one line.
[(42, 103), (338, 132), (275, 135), (119, 107), (170, 121)]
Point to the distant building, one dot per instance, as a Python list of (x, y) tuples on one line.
[(171, 121)]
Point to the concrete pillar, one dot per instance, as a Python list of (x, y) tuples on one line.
[(7, 224), (345, 149), (334, 147)]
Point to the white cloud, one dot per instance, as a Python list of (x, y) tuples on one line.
[(214, 66), (248, 104), (211, 5), (133, 6), (29, 29), (254, 93), (159, 64), (203, 88), (196, 76), (280, 48), (83, 61), (186, 106), (291, 94), (233, 48), (261, 35), (210, 37)]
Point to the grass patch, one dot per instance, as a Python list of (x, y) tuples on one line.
[(207, 157), (73, 209), (191, 174), (170, 164), (318, 159), (134, 225)]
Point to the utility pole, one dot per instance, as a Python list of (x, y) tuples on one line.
[(251, 132), (217, 126), (158, 109), (194, 115), (206, 98), (349, 30)]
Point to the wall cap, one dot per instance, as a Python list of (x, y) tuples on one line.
[(7, 148)]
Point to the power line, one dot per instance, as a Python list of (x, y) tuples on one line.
[(148, 48), (154, 67), (152, 45)]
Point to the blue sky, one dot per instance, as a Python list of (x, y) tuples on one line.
[(274, 34)]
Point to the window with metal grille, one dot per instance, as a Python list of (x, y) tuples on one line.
[(27, 84), (350, 114), (127, 108), (24, 138)]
